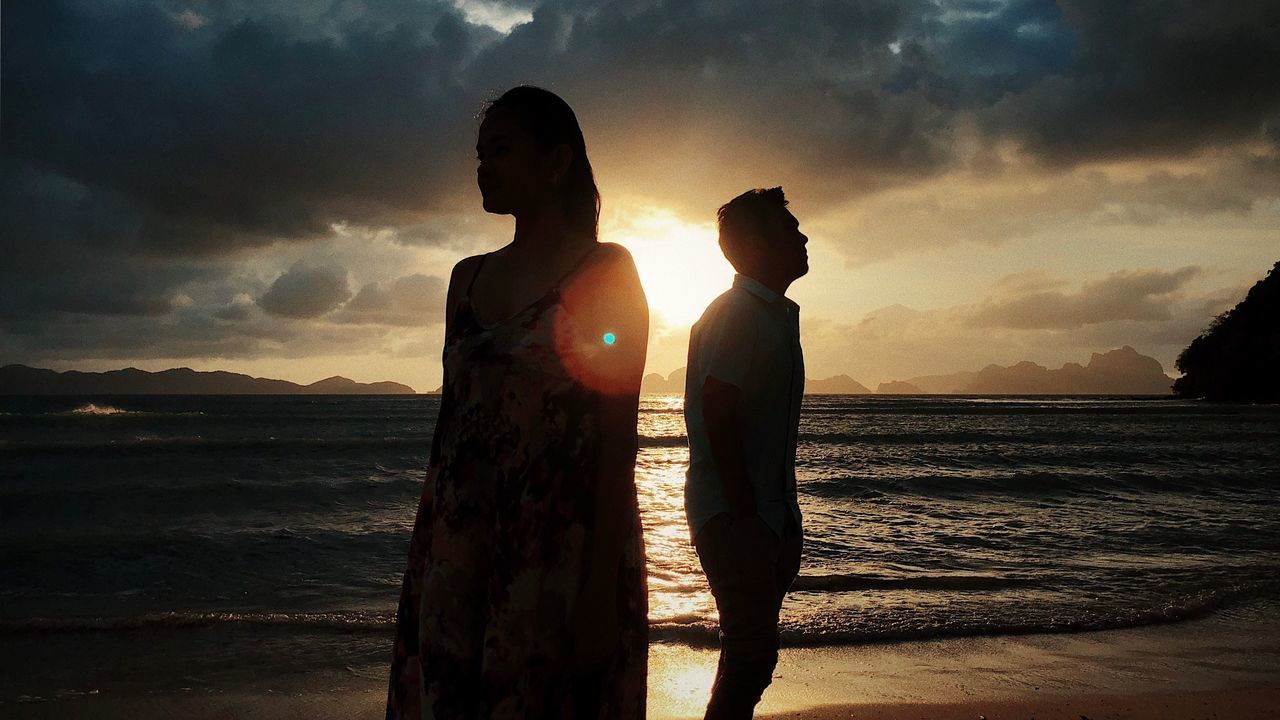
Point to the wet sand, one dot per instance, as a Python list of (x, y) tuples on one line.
[(1224, 667)]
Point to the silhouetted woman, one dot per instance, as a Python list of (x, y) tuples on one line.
[(525, 591)]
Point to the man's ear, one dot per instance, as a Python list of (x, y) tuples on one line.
[(560, 159), (752, 247)]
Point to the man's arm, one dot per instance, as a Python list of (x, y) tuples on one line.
[(724, 434)]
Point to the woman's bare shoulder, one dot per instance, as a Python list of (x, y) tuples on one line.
[(465, 267), (609, 252)]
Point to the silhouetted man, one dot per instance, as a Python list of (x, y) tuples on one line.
[(742, 406)]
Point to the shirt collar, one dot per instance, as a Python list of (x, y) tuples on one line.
[(755, 287)]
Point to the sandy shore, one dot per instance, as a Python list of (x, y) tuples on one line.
[(1251, 703), (1225, 667), (1255, 703)]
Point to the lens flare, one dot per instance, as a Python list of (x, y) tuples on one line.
[(609, 338)]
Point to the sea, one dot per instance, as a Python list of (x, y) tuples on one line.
[(176, 542)]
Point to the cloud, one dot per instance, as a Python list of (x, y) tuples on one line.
[(63, 254), (963, 207), (412, 300), (305, 292), (1150, 79), (244, 129), (248, 123), (153, 150), (1131, 295), (240, 308), (1156, 311)]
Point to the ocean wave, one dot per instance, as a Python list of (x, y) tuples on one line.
[(847, 583), (663, 440), (1029, 483), (93, 409), (688, 629), (704, 633), (151, 441), (148, 442), (341, 621)]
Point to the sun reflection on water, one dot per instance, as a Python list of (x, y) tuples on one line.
[(678, 592)]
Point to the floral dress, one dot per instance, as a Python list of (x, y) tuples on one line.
[(502, 532)]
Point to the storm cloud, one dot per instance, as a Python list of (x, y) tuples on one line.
[(150, 151), (305, 292), (1139, 295), (409, 301)]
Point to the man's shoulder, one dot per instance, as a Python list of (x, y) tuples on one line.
[(734, 302)]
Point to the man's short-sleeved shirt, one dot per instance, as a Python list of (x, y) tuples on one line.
[(748, 337)]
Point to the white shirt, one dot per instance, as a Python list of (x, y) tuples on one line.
[(748, 337)]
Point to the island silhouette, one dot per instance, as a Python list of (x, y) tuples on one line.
[(1123, 371), (24, 380), (1238, 356)]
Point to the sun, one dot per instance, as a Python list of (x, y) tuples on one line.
[(679, 263)]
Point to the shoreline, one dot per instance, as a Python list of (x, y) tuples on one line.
[(1236, 703), (1224, 666), (1242, 703)]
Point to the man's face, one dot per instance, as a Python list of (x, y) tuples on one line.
[(784, 247)]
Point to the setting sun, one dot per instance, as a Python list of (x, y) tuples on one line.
[(680, 263)]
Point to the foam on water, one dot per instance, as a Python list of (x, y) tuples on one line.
[(92, 409)]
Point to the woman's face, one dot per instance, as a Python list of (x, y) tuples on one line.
[(514, 172)]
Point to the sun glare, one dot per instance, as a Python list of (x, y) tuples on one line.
[(679, 263)]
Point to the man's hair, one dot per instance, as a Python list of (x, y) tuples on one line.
[(750, 213)]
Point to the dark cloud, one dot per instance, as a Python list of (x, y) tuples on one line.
[(189, 333), (306, 292), (66, 250), (972, 54), (234, 124), (687, 99), (1133, 295), (233, 312), (956, 209), (413, 300), (1151, 78), (237, 132), (146, 147)]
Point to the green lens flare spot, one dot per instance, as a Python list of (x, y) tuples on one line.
[(609, 338)]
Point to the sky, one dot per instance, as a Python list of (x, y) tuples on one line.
[(282, 188)]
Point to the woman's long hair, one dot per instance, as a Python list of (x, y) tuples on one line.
[(551, 121)]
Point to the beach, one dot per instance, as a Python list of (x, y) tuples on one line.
[(1225, 666)]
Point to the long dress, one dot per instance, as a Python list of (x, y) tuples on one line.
[(501, 534)]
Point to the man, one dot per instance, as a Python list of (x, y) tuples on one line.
[(743, 389)]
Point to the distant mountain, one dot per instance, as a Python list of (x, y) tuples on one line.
[(942, 384), (24, 380), (1238, 357), (1123, 371), (655, 384), (673, 384), (835, 385), (1119, 372)]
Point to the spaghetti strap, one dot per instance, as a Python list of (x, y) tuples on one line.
[(552, 292), (475, 275), (576, 265)]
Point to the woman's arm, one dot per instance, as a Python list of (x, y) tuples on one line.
[(609, 306)]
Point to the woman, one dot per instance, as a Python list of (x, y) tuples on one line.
[(525, 591)]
